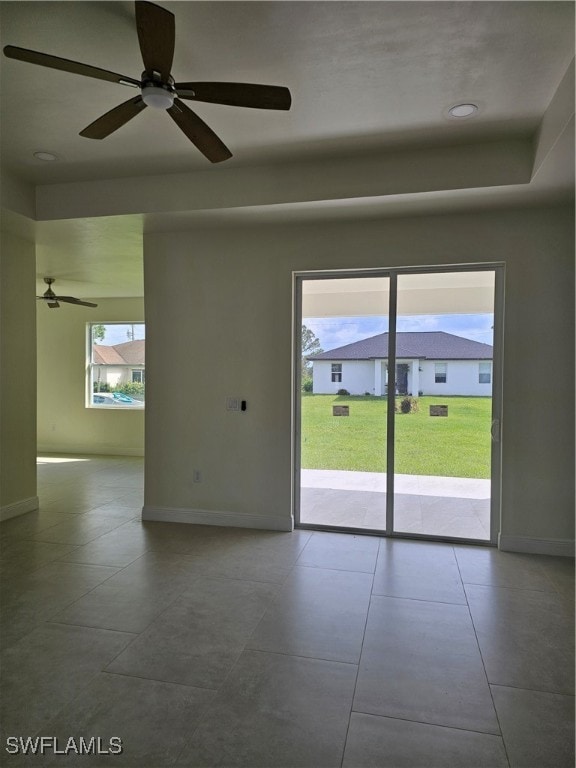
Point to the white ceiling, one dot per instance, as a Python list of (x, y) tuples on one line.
[(365, 77)]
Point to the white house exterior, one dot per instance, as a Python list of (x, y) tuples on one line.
[(118, 364), (427, 363)]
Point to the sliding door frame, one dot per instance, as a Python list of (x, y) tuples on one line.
[(392, 273)]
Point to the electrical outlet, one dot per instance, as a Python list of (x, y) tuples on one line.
[(232, 403), (197, 476)]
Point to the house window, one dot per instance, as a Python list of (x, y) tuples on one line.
[(116, 360), (484, 373), (440, 373), (337, 372)]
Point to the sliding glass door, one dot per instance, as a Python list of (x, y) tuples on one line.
[(444, 405), (397, 402), (342, 401)]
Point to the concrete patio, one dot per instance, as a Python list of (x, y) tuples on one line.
[(440, 506)]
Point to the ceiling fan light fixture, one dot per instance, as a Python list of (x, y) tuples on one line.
[(157, 97), (463, 110)]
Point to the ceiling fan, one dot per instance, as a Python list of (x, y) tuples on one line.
[(52, 300), (156, 36)]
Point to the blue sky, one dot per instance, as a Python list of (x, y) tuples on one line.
[(336, 331), (117, 333)]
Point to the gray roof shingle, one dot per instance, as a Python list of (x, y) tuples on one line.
[(431, 345)]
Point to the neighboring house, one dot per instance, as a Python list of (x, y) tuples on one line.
[(118, 364), (427, 363)]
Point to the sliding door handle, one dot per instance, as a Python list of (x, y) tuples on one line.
[(495, 430)]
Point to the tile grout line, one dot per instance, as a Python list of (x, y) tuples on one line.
[(97, 629), (532, 690), (110, 629), (300, 656), (482, 659), (418, 599), (74, 544), (427, 722), (359, 659), (113, 673)]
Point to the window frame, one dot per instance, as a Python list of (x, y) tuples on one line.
[(487, 364), (438, 373), (91, 367), (336, 373)]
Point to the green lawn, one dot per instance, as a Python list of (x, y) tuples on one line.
[(454, 446)]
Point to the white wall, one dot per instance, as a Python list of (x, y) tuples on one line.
[(18, 390), (114, 375), (219, 322), (358, 378), (108, 374), (64, 422), (461, 379)]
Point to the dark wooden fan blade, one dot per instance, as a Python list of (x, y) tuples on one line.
[(237, 94), (72, 300), (200, 134), (114, 119), (66, 65), (156, 35), (53, 304)]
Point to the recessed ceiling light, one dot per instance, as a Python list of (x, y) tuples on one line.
[(47, 157), (463, 110)]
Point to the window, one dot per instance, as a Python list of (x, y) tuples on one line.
[(337, 372), (440, 373), (484, 373), (116, 365)]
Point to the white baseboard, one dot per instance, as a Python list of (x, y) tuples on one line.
[(207, 517), (19, 508), (559, 547), (44, 449)]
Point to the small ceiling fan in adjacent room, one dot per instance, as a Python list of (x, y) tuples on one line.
[(50, 298), (156, 36)]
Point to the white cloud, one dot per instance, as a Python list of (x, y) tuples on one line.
[(338, 331), (419, 323)]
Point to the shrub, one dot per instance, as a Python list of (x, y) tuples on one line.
[(131, 388), (406, 405), (103, 386), (342, 392), (307, 384)]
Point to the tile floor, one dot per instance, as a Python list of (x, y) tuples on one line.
[(202, 646)]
